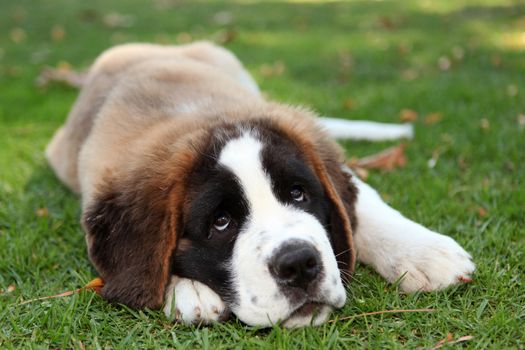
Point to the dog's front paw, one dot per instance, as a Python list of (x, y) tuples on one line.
[(192, 302), (432, 261)]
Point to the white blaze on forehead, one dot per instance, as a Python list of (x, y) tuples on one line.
[(243, 157)]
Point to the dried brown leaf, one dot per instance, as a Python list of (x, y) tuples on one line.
[(482, 212), (42, 212), (348, 103), (409, 74), (275, 69), (521, 120), (484, 124), (225, 36), (433, 118), (444, 63), (448, 340), (496, 61), (94, 285), (387, 159), (118, 20), (58, 33), (408, 115), (184, 38), (17, 35)]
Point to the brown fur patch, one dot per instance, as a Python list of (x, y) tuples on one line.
[(132, 225)]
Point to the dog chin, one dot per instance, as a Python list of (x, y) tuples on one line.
[(308, 314)]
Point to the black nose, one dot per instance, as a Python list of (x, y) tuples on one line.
[(296, 264)]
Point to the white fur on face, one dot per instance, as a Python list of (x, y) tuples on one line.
[(260, 301)]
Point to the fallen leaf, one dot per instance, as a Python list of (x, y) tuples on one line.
[(404, 48), (348, 103), (444, 63), (161, 38), (482, 212), (184, 38), (484, 124), (388, 159), (449, 340), (58, 33), (495, 60), (225, 36), (118, 20), (408, 115), (409, 74), (17, 35), (386, 23), (62, 74), (19, 14), (521, 120), (94, 285), (42, 212), (433, 118), (10, 288), (275, 69), (88, 15)]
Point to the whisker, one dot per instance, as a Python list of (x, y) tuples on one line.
[(344, 251)]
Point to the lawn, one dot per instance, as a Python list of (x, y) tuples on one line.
[(458, 65)]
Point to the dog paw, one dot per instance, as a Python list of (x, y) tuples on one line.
[(431, 262), (191, 302)]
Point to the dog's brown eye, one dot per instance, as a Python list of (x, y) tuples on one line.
[(297, 193), (222, 221)]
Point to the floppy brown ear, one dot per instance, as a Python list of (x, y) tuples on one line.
[(131, 234), (342, 195)]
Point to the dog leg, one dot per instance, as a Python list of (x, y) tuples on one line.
[(400, 248), (192, 302)]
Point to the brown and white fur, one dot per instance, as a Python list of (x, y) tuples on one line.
[(201, 197)]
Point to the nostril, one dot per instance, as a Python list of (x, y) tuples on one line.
[(287, 271), (296, 264), (311, 263)]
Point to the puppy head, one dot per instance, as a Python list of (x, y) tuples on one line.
[(257, 210), (266, 225)]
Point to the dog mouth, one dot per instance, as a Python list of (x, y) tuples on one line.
[(308, 313), (307, 309)]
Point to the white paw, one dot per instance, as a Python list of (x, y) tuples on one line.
[(192, 302), (431, 261)]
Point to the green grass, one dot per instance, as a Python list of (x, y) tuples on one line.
[(332, 51)]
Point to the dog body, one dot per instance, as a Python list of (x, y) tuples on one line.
[(200, 195)]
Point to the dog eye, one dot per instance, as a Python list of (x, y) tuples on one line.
[(297, 193), (222, 221)]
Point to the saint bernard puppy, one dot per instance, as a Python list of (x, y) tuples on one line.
[(202, 197)]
